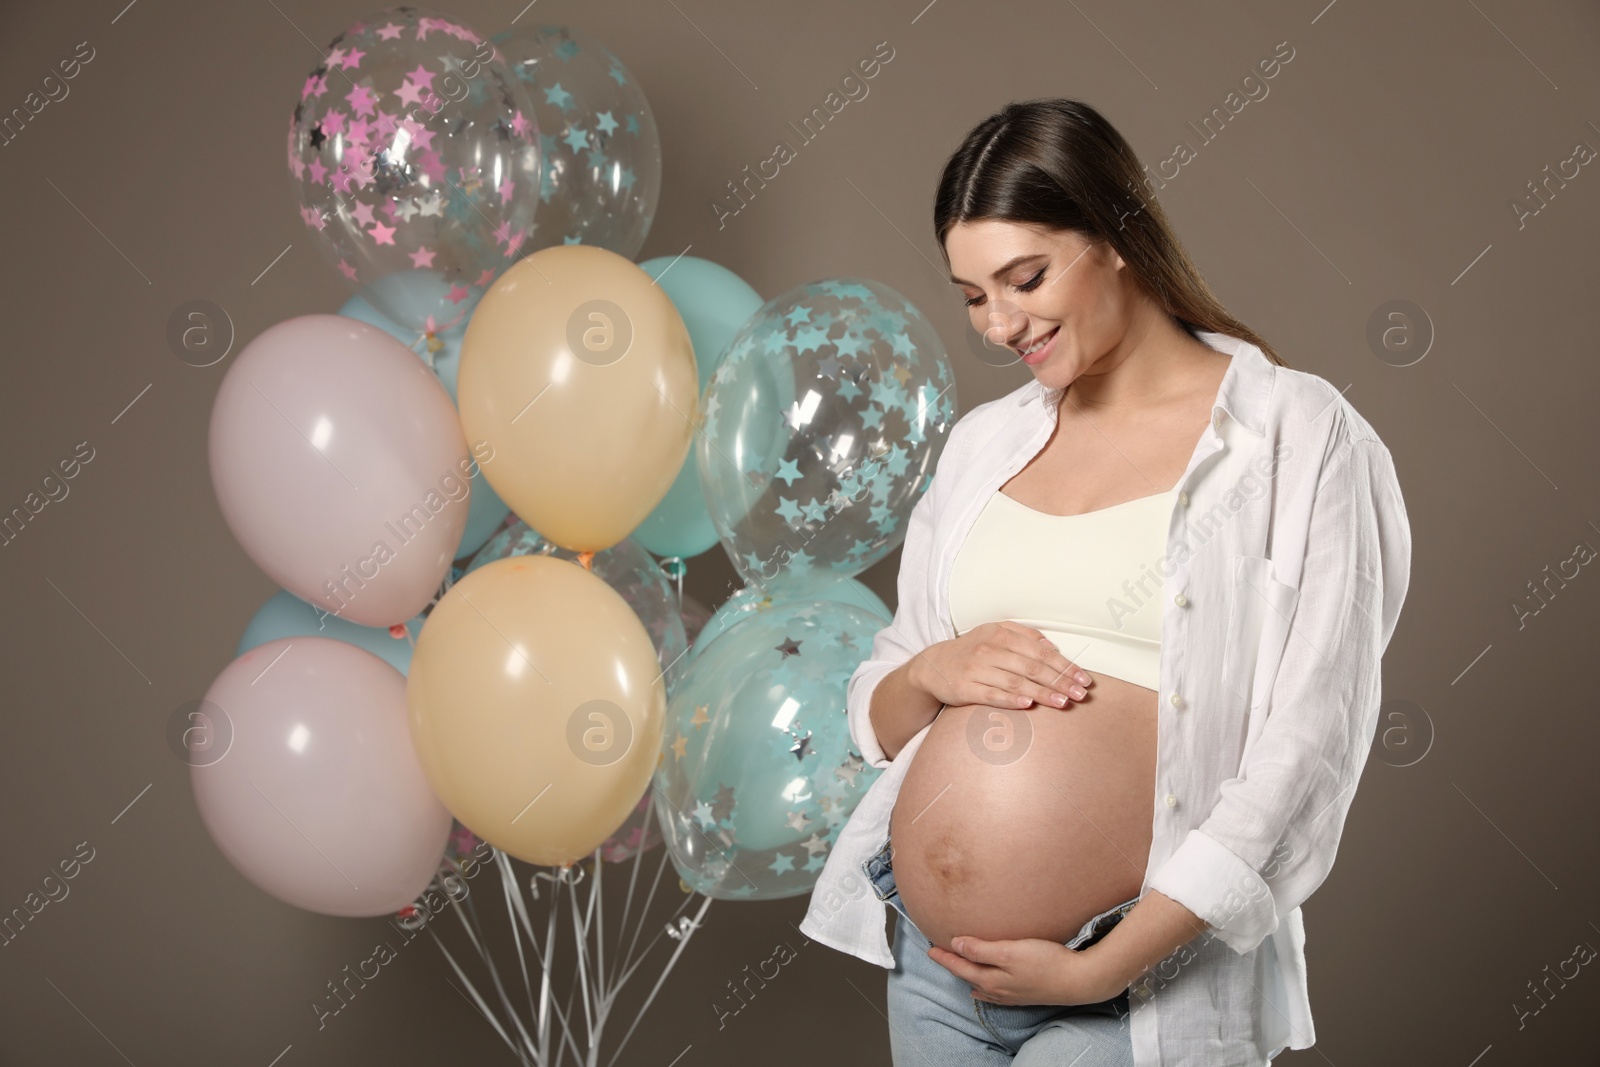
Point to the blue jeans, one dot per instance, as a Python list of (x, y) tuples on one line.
[(934, 1021)]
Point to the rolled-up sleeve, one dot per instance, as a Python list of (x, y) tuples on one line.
[(1270, 840), (912, 629)]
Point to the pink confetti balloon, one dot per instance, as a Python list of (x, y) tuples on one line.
[(414, 156), (319, 798), (339, 464)]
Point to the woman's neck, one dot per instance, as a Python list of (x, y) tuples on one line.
[(1155, 361)]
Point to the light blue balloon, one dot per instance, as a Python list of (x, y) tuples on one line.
[(486, 511), (411, 298), (485, 514), (756, 755), (286, 615), (714, 303), (822, 428), (445, 361), (822, 586)]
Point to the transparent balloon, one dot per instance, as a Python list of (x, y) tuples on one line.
[(751, 599), (601, 153), (823, 425), (414, 157), (757, 772)]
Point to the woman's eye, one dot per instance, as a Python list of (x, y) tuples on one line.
[(1025, 287), (1032, 283)]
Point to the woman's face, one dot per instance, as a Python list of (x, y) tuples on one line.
[(1024, 285)]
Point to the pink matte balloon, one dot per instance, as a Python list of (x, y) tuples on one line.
[(319, 799), (338, 460)]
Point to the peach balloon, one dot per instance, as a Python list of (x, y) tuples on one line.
[(578, 370), (536, 707)]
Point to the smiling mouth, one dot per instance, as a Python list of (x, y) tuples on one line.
[(1037, 344)]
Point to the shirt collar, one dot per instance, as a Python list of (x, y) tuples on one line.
[(1245, 389)]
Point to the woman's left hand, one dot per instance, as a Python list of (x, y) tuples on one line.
[(1028, 971)]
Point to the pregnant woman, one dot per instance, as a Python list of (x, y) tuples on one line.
[(1143, 606)]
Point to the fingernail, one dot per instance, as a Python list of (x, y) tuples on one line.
[(1084, 679), (1078, 692), (1058, 700)]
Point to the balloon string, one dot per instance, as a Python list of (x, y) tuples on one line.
[(675, 568)]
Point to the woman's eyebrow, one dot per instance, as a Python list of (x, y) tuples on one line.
[(1008, 265)]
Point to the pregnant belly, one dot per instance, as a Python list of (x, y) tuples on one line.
[(1027, 824)]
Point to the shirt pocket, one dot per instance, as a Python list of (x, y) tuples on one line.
[(1260, 608)]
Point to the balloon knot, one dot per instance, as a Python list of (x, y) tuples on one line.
[(584, 559), (398, 631)]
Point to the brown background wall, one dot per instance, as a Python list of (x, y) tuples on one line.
[(1380, 167)]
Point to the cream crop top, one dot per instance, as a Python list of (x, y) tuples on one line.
[(1088, 582)]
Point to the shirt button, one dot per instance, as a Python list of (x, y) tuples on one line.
[(1183, 498), (1181, 600), (1177, 701), (1172, 801)]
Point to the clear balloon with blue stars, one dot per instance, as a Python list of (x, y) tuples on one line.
[(748, 600), (758, 772), (601, 153), (822, 428)]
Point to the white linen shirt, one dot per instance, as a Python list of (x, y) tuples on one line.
[(1289, 555)]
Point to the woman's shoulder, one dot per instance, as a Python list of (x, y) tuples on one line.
[(1306, 400), (1310, 414)]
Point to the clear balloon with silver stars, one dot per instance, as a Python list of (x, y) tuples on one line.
[(758, 772)]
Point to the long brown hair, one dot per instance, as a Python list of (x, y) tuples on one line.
[(1058, 163)]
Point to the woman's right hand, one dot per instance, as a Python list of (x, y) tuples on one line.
[(1002, 664)]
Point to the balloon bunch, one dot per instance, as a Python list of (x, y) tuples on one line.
[(346, 468), (459, 481)]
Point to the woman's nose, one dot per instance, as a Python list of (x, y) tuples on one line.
[(1006, 321)]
